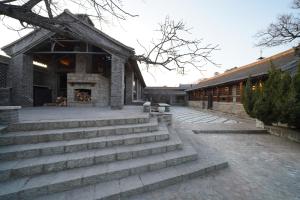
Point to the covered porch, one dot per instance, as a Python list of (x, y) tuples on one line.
[(86, 68)]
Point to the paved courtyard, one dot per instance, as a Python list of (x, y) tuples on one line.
[(189, 115), (29, 114), (261, 166)]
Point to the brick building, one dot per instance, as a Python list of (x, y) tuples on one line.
[(169, 95), (223, 92), (87, 67)]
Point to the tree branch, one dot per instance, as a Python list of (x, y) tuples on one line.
[(30, 4), (173, 51), (285, 30)]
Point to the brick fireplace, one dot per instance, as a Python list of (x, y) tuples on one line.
[(87, 89)]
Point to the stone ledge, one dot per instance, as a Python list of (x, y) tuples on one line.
[(4, 108), (9, 114), (288, 133)]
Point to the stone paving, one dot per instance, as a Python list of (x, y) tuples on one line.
[(206, 121), (61, 113), (189, 115), (261, 167)]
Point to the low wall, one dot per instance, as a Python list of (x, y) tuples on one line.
[(197, 104), (284, 132), (162, 117), (9, 114), (226, 107)]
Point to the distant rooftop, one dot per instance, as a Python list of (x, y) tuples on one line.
[(287, 61)]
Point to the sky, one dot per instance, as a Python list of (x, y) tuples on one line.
[(232, 24)]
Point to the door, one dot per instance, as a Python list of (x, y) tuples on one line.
[(41, 95), (210, 101)]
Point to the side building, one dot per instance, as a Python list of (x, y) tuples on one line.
[(170, 95), (224, 91)]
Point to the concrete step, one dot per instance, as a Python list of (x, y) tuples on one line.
[(29, 187), (31, 137), (47, 164), (13, 152), (136, 184), (75, 123)]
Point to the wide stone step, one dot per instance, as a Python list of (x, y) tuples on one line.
[(47, 164), (75, 123), (136, 184), (13, 152), (31, 137), (29, 187)]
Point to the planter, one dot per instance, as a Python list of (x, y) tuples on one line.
[(161, 109)]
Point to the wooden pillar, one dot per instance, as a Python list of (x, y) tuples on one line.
[(241, 91)]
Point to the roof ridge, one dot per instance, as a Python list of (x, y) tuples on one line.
[(268, 59), (97, 30)]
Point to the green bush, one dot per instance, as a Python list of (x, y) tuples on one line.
[(249, 98), (294, 101), (266, 107), (278, 100), (283, 101)]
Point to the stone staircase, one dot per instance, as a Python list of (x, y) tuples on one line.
[(93, 159)]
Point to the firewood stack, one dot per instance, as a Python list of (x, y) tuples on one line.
[(82, 96), (61, 101)]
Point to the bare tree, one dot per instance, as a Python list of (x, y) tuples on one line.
[(173, 50), (41, 13), (285, 30)]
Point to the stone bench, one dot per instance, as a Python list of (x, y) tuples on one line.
[(147, 106), (166, 106), (9, 114)]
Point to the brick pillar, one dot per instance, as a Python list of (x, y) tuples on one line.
[(20, 75), (83, 63), (117, 82), (129, 76)]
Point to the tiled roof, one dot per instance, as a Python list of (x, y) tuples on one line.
[(287, 61), (4, 59)]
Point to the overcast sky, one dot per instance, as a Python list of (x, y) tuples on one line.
[(230, 23)]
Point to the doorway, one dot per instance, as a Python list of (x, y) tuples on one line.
[(210, 101)]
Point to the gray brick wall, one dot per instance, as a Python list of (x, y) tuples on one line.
[(117, 82), (129, 76), (20, 78), (9, 116), (3, 75)]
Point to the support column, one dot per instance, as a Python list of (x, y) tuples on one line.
[(20, 75), (129, 76), (234, 99), (138, 89), (117, 82), (241, 91)]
